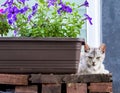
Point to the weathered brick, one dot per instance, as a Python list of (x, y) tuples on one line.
[(51, 88), (26, 89), (100, 87), (13, 79), (76, 88)]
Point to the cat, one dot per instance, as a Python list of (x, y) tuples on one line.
[(91, 62)]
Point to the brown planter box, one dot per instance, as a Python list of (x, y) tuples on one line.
[(39, 55)]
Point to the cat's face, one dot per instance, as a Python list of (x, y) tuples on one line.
[(94, 56)]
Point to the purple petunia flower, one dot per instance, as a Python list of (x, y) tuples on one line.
[(15, 33), (12, 10), (59, 10), (14, 17), (86, 4), (11, 13), (34, 10), (64, 8), (5, 10), (23, 10), (29, 17), (10, 21), (9, 2), (51, 2), (88, 18), (22, 1), (15, 10), (5, 3)]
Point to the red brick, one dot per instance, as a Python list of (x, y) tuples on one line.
[(100, 87), (13, 79)]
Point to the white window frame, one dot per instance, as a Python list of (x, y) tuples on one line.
[(94, 32)]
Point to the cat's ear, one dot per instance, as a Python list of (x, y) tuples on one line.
[(86, 47), (102, 47)]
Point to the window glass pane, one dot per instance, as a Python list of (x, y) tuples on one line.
[(82, 11)]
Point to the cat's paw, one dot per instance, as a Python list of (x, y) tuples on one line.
[(106, 72)]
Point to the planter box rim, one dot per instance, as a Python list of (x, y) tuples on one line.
[(40, 39)]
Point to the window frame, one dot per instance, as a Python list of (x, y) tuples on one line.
[(94, 33)]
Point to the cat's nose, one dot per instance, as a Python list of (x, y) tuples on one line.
[(93, 63)]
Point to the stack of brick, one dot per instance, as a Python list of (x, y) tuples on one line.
[(50, 83)]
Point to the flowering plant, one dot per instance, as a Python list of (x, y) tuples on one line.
[(4, 27), (51, 18)]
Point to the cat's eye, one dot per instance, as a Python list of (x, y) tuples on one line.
[(90, 57), (98, 58)]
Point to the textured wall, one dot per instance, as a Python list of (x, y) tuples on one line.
[(111, 36)]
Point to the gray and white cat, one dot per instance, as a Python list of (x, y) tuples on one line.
[(91, 61)]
